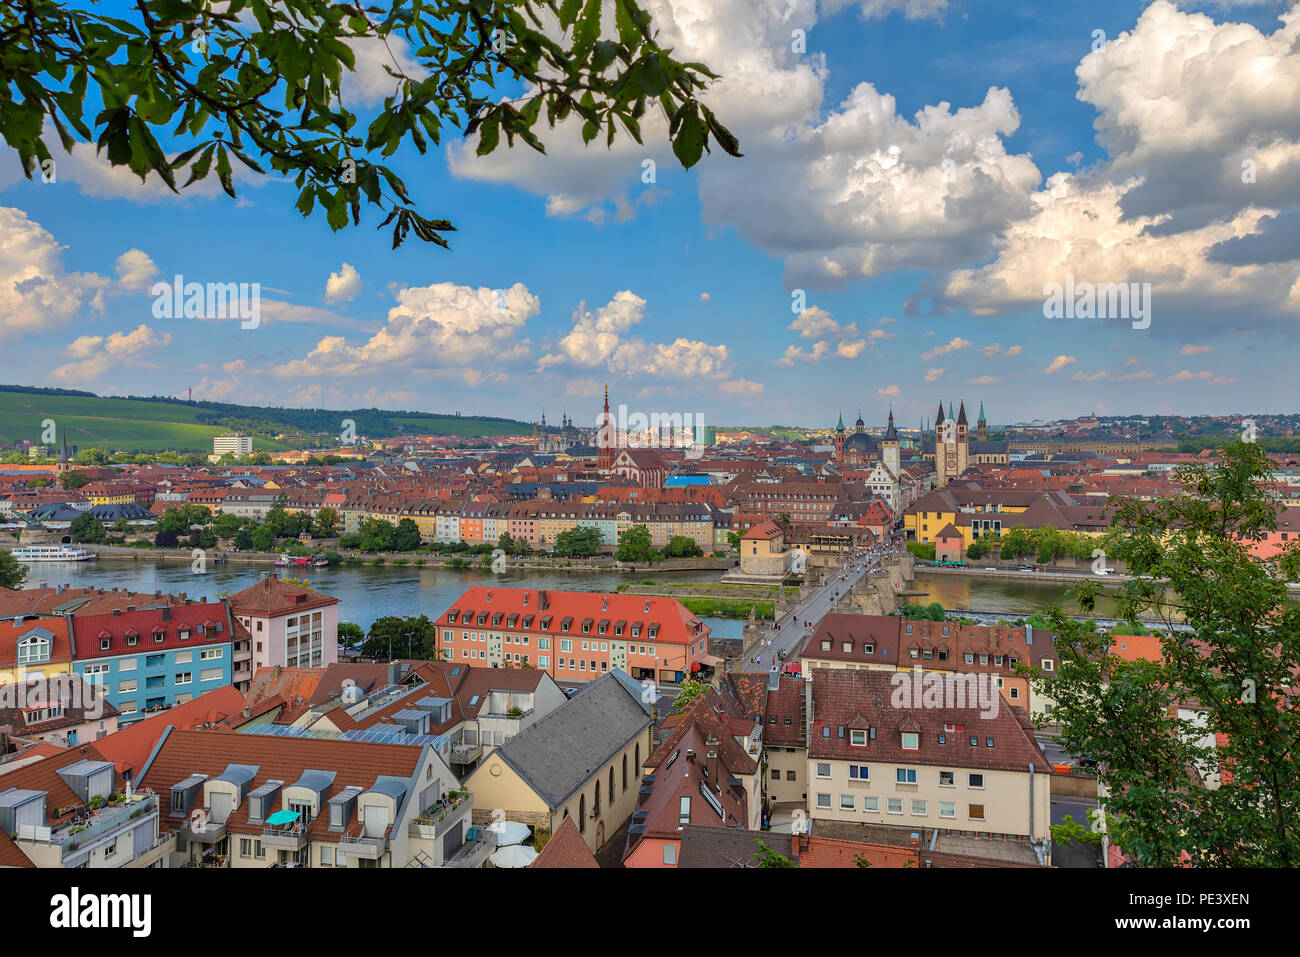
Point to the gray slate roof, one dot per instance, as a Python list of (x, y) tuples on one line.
[(726, 846), (559, 754)]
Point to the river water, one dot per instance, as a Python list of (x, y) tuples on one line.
[(368, 592)]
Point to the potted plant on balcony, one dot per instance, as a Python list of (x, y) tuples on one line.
[(515, 712)]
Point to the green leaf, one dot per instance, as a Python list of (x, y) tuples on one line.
[(587, 30), (688, 144), (489, 136), (223, 171)]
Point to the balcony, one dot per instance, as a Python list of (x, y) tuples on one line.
[(290, 837), (466, 753), (77, 834), (209, 832), (441, 816), (356, 844), (474, 852)]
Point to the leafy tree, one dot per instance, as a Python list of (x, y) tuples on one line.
[(689, 690), (1218, 698), (226, 525), (391, 632), (166, 538), (327, 521), (506, 543), (377, 535), (681, 546), (766, 857), (582, 542), (12, 571), (924, 551), (406, 537), (263, 538), (634, 546), (244, 539), (733, 539), (1071, 833), (270, 85), (350, 634), (71, 481), (85, 456), (976, 550), (87, 528)]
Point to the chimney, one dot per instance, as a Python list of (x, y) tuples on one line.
[(690, 755), (248, 712), (796, 845), (392, 672), (277, 672)]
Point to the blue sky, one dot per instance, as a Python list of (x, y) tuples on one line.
[(918, 237)]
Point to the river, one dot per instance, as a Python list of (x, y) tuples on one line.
[(366, 592)]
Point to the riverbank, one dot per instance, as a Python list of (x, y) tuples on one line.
[(417, 560)]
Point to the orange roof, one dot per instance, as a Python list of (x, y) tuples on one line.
[(820, 851), (765, 529), (131, 746), (565, 849)]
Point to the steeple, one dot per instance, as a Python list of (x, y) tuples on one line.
[(981, 418), (839, 426), (891, 434), (858, 425), (961, 416), (950, 408), (939, 421)]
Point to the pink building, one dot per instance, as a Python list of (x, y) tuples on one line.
[(290, 626)]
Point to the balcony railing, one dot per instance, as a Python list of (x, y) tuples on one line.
[(209, 832), (107, 819), (441, 815), (291, 837), (473, 853), (466, 753), (357, 844)]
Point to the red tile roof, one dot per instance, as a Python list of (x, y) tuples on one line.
[(566, 848), (130, 747), (272, 596)]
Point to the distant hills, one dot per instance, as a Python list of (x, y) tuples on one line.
[(155, 423)]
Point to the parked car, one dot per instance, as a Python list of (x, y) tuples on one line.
[(1027, 568), (1105, 571)]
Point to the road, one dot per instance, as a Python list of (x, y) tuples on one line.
[(790, 636)]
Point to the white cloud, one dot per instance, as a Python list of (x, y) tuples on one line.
[(934, 375), (851, 349), (343, 285), (36, 293), (1205, 376), (1194, 350), (794, 354), (879, 9), (889, 392), (1182, 104), (601, 338), (952, 345), (996, 351), (135, 270), (816, 323), (741, 387), (457, 329), (1059, 363), (985, 380), (96, 355)]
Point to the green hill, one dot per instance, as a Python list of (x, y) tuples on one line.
[(154, 424)]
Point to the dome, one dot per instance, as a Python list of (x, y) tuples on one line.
[(860, 442)]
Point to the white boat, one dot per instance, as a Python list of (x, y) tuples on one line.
[(52, 553)]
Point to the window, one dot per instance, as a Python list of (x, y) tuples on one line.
[(776, 774), (988, 742), (1047, 664), (975, 780), (823, 769), (859, 772), (126, 687), (947, 809), (970, 658), (670, 855), (210, 654), (824, 801), (947, 779), (210, 674), (871, 804), (911, 741), (905, 776), (847, 803), (943, 739), (976, 812), (974, 741), (566, 644), (919, 808), (183, 678), (894, 805), (789, 775)]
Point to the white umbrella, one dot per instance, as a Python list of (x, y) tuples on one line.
[(516, 855), (509, 832)]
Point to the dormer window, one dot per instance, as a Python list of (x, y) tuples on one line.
[(183, 634), (857, 739), (158, 638), (132, 640), (911, 741), (104, 643)]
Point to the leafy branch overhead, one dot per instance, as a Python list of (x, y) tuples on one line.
[(263, 82)]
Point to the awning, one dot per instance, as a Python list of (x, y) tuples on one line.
[(282, 817), (711, 661), (695, 666)]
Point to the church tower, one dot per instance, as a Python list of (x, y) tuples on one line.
[(890, 447), (839, 440), (981, 426), (963, 439), (606, 438)]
